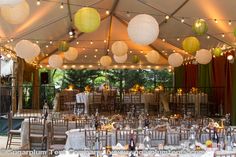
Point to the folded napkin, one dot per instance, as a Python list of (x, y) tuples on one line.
[(118, 147)]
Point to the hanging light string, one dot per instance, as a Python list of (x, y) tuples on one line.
[(178, 38), (128, 12)]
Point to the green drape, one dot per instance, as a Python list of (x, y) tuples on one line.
[(179, 76), (204, 75)]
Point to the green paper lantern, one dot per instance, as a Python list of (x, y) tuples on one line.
[(135, 59), (87, 19), (200, 27), (191, 45), (63, 46), (235, 32), (217, 52)]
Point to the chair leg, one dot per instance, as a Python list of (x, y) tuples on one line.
[(7, 140), (10, 140)]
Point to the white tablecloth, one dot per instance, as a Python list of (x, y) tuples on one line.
[(76, 139)]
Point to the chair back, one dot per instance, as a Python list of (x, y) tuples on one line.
[(59, 127), (90, 137), (157, 136), (37, 126), (9, 116), (123, 136), (82, 123)]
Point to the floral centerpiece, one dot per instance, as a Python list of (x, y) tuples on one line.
[(194, 90), (137, 88), (88, 88), (159, 88), (179, 91)]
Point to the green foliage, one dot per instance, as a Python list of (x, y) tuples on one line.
[(127, 78)]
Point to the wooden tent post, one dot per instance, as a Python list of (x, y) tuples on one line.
[(13, 87), (20, 73)]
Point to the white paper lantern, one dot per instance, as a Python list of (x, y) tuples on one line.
[(55, 61), (175, 60), (71, 54), (16, 14), (153, 57), (120, 59), (10, 2), (26, 49), (105, 61), (119, 48), (143, 29), (203, 56), (37, 49)]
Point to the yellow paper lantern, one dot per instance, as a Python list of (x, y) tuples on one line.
[(87, 20), (135, 59), (63, 46), (191, 44), (15, 14), (217, 52)]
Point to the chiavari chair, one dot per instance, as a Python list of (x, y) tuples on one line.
[(12, 134), (38, 133), (90, 137), (158, 136), (58, 130)]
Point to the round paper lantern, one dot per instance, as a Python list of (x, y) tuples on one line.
[(217, 52), (55, 61), (135, 59), (119, 48), (191, 44), (200, 27), (143, 29), (120, 59), (71, 54), (87, 19), (10, 2), (235, 32), (26, 49), (153, 57), (203, 56), (63, 46), (37, 48), (15, 14), (175, 60), (105, 61)]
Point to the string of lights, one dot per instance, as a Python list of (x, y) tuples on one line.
[(128, 13)]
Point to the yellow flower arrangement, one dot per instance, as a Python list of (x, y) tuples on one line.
[(88, 88), (180, 91), (208, 143), (137, 88), (194, 90)]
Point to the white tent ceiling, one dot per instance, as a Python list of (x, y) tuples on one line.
[(48, 22)]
